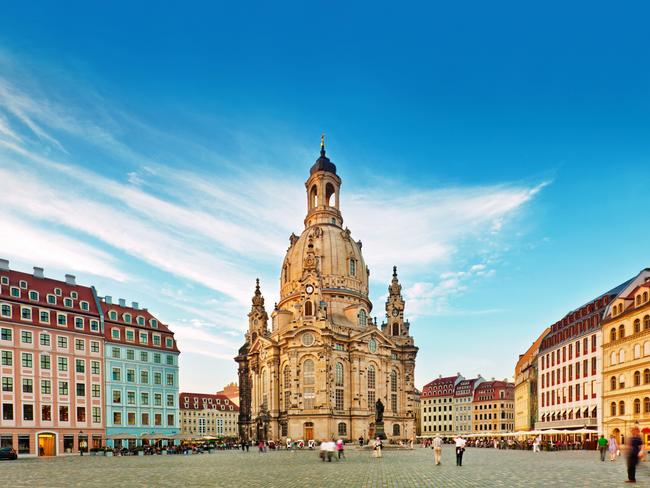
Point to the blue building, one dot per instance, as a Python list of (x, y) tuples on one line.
[(141, 385)]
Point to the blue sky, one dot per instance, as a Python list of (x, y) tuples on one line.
[(497, 154)]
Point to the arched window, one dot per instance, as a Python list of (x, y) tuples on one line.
[(395, 429), (612, 358), (612, 383), (395, 329), (313, 197), (330, 195), (646, 348), (338, 383), (353, 267), (621, 381), (308, 379), (645, 296), (363, 319), (621, 331), (621, 407), (612, 409), (309, 309), (637, 351), (612, 334), (637, 378), (265, 389), (637, 326), (646, 376), (621, 356), (372, 381), (286, 380), (646, 322), (343, 428), (393, 390), (646, 405), (637, 406)]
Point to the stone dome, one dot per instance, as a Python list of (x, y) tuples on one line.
[(337, 257)]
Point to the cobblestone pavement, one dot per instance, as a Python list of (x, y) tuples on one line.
[(481, 467)]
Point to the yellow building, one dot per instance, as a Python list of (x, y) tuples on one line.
[(626, 359), (526, 386), (208, 415), (493, 408), (324, 365)]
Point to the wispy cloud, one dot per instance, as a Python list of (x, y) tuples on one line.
[(211, 229)]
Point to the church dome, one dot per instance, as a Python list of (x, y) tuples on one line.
[(337, 257)]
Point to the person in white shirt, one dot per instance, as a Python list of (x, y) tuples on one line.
[(537, 443), (377, 448), (437, 449), (460, 449)]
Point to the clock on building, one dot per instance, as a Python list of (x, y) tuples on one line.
[(309, 289), (395, 312)]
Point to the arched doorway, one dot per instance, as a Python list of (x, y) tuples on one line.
[(309, 431), (371, 431), (617, 435), (47, 444)]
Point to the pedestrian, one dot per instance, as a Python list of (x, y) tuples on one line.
[(323, 450), (634, 454), (460, 449), (360, 441), (537, 443), (339, 448), (260, 446), (602, 447), (437, 449), (613, 448), (377, 448)]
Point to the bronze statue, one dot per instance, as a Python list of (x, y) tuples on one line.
[(379, 411)]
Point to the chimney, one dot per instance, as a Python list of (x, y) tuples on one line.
[(492, 379), (4, 264), (70, 279), (134, 305), (108, 299), (38, 272), (122, 302)]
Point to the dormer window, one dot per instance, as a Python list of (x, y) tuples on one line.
[(112, 315), (4, 280), (353, 267), (67, 302), (33, 295), (84, 305), (140, 320), (51, 299), (22, 284), (57, 292), (74, 295), (15, 292), (154, 323), (169, 343), (78, 323), (127, 318)]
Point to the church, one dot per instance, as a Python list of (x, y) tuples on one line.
[(323, 368)]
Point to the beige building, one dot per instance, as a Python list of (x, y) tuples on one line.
[(231, 390), (626, 361), (323, 365), (493, 408), (526, 386), (208, 415)]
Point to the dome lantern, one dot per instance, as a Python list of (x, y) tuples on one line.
[(323, 186)]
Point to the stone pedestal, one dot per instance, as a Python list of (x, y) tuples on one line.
[(379, 431)]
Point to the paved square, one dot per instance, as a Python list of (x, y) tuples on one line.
[(482, 467)]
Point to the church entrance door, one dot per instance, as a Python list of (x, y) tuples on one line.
[(309, 431)]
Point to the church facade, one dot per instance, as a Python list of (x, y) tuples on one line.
[(319, 366)]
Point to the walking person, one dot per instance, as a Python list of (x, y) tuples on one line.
[(613, 448), (602, 447), (437, 449), (634, 454), (537, 443), (460, 449), (377, 448), (339, 448)]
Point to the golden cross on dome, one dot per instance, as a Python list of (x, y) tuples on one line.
[(322, 140)]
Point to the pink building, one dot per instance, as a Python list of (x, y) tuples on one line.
[(51, 367)]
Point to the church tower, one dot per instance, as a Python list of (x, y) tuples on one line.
[(323, 365)]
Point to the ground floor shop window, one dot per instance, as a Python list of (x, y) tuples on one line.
[(6, 441), (68, 443), (23, 444)]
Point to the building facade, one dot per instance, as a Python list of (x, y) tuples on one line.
[(570, 368), (208, 415), (52, 371), (626, 361), (324, 365), (526, 386), (462, 405), (493, 408), (231, 390), (437, 404), (141, 375)]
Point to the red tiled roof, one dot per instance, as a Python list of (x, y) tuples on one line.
[(45, 287), (489, 391), (200, 401), (439, 387)]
